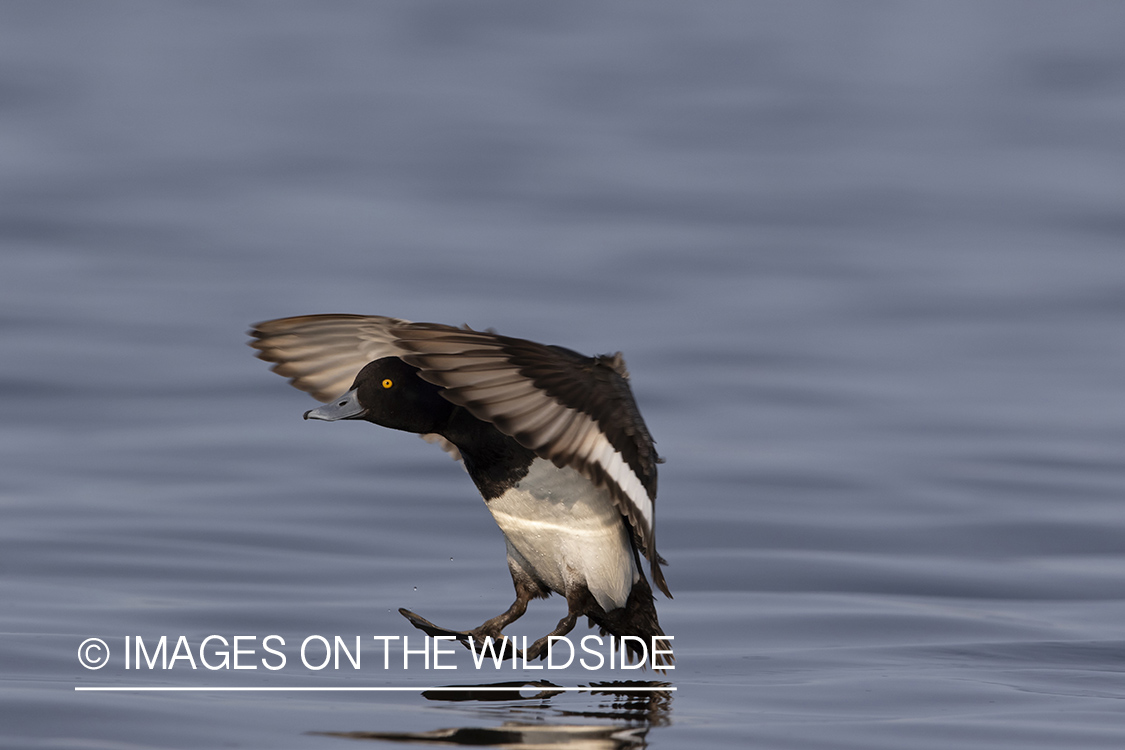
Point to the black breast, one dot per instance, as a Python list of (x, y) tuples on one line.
[(494, 460)]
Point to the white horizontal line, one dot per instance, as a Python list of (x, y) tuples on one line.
[(225, 689)]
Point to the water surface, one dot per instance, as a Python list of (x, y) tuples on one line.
[(865, 263)]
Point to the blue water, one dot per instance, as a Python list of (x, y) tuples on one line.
[(866, 262)]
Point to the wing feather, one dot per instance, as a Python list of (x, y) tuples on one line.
[(570, 409), (322, 354)]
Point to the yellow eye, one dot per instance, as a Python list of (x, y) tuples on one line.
[(388, 383)]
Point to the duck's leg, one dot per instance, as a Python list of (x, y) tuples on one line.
[(494, 626), (464, 636), (575, 610), (490, 628)]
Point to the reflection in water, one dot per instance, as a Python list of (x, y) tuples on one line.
[(513, 734), (625, 712)]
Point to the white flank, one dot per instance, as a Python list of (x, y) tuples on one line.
[(568, 531)]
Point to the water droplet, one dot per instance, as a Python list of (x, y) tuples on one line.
[(415, 588)]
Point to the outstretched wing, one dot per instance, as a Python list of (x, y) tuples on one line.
[(571, 409), (322, 354), (574, 410)]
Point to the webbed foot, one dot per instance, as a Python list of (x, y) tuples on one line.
[(464, 636)]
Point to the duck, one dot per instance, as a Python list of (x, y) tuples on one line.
[(553, 440)]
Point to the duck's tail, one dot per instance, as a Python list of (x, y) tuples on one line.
[(638, 619)]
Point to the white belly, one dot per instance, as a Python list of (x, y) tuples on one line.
[(568, 532)]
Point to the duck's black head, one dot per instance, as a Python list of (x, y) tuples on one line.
[(389, 392)]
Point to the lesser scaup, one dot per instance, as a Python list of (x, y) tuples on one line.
[(552, 439)]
